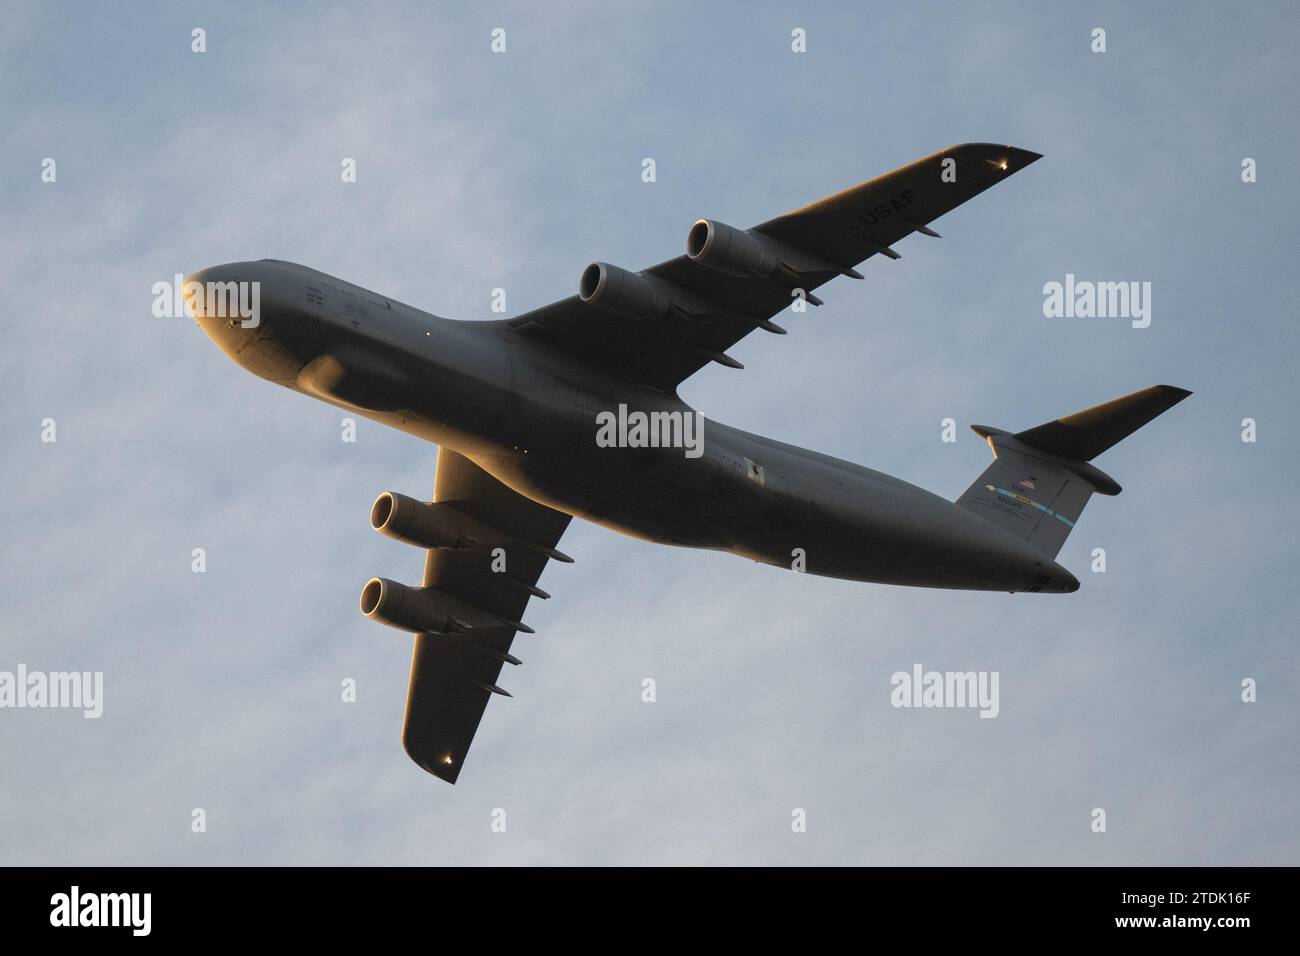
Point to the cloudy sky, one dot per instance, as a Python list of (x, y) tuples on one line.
[(479, 170)]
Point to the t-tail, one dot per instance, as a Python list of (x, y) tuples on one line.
[(1041, 479)]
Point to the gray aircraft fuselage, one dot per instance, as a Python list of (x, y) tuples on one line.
[(525, 412)]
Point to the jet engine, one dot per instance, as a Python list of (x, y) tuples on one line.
[(406, 608), (727, 249), (627, 293), (436, 524), (425, 524), (423, 610)]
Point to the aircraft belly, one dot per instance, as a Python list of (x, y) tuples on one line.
[(651, 494), (829, 522)]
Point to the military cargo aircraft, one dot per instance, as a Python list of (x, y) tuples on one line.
[(572, 410)]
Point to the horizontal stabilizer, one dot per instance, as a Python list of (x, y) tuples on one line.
[(1085, 435)]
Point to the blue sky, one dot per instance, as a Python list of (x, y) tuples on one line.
[(478, 170)]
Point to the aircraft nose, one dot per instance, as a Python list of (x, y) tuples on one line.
[(215, 298), (198, 303)]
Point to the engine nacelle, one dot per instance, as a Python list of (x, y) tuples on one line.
[(405, 608), (623, 292), (428, 610), (733, 251), (424, 524)]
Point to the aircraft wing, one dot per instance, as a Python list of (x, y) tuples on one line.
[(454, 675), (665, 323)]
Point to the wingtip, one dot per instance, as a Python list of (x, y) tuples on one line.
[(1003, 158), (432, 758), (448, 776), (1170, 395), (443, 771), (1025, 156), (1018, 159)]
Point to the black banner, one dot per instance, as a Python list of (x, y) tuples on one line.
[(337, 905)]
